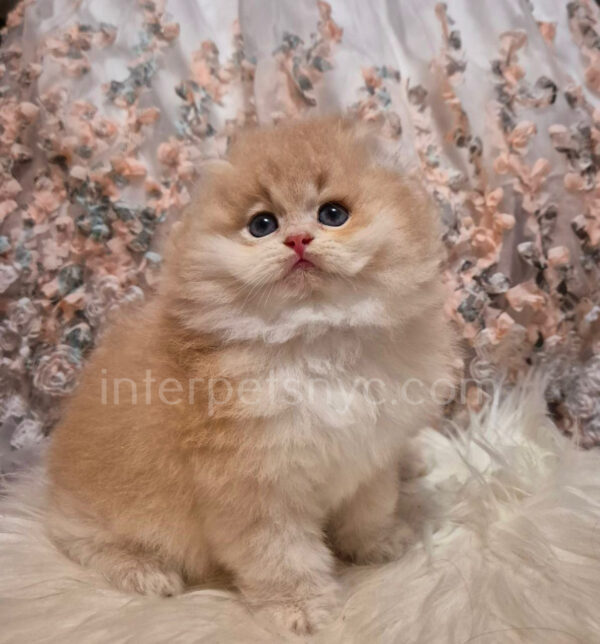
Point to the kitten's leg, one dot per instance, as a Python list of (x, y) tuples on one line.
[(413, 463), (282, 567), (129, 568), (368, 527)]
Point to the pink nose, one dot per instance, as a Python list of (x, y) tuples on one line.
[(298, 242)]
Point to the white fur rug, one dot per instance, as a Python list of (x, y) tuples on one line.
[(516, 558)]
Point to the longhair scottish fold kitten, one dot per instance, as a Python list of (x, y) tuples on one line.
[(253, 418)]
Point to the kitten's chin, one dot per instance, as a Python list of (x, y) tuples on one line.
[(301, 280), (305, 279)]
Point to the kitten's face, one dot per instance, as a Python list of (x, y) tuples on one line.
[(303, 212)]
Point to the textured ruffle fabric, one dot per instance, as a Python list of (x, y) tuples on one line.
[(107, 109)]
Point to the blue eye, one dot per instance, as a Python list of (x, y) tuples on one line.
[(332, 214), (262, 224)]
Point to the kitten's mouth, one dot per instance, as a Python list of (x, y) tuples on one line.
[(303, 265)]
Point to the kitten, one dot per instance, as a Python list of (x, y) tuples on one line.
[(254, 416)]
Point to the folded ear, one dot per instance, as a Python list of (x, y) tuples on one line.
[(211, 167), (362, 131), (238, 135), (178, 233), (387, 150)]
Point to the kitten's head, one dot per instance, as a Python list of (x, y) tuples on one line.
[(302, 215)]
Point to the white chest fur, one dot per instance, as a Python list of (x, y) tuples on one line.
[(326, 412)]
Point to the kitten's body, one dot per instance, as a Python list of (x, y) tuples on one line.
[(151, 492)]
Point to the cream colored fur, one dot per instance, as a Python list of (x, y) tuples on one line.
[(269, 485), (515, 557)]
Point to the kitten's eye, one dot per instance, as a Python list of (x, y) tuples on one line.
[(332, 214), (262, 224)]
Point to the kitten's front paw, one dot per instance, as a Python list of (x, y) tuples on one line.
[(300, 616), (148, 579), (388, 545), (413, 464)]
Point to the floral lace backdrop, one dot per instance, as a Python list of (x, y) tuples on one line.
[(107, 109)]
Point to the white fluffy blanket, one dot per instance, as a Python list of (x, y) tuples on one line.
[(515, 557)]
